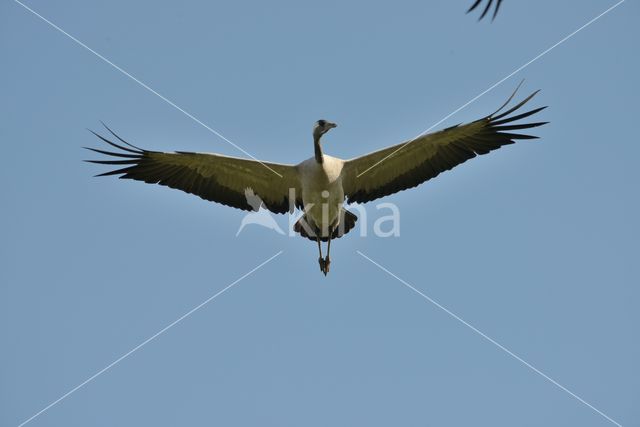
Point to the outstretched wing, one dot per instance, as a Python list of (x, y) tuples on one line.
[(486, 9), (213, 177), (409, 164)]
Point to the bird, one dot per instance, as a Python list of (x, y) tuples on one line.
[(322, 185), (486, 9)]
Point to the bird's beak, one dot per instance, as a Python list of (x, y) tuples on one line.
[(332, 125)]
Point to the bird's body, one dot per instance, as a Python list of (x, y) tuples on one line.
[(322, 192), (322, 184)]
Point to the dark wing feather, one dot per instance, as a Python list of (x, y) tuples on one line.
[(213, 177), (409, 164), (486, 9)]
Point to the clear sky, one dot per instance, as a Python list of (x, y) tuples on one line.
[(535, 245)]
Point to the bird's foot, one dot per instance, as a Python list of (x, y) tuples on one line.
[(327, 262), (322, 265)]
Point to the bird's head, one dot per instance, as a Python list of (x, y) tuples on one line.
[(321, 127)]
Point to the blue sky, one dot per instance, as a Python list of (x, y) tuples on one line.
[(535, 245)]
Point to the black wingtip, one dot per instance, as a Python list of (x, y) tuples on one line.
[(503, 124), (486, 9), (113, 154), (113, 172), (117, 136), (113, 162), (128, 155), (473, 6), (137, 151), (495, 12), (514, 108), (513, 94)]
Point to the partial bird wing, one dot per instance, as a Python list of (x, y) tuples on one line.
[(213, 177), (487, 8), (411, 163)]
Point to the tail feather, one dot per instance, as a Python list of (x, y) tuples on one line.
[(347, 223)]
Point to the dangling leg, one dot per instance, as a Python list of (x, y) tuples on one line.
[(320, 260), (327, 260)]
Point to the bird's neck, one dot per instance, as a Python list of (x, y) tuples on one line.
[(318, 149)]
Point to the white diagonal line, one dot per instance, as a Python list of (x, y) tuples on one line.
[(168, 101), (493, 86), (145, 342), (491, 340)]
